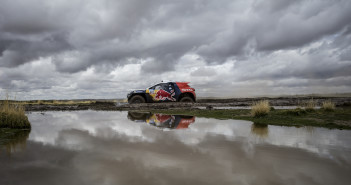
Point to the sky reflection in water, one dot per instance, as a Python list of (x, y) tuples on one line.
[(89, 147)]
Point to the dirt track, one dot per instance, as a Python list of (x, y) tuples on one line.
[(202, 103)]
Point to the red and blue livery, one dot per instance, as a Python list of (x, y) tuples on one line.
[(164, 92)]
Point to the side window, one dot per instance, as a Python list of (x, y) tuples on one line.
[(158, 87), (164, 86), (170, 87)]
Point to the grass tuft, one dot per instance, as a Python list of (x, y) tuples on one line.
[(328, 105), (260, 108), (13, 115), (310, 105)]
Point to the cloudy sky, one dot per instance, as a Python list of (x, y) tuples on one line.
[(64, 49)]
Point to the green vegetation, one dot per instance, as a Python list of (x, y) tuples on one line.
[(260, 108), (328, 105), (296, 112), (340, 118), (13, 116)]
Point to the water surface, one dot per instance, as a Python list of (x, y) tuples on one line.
[(90, 147)]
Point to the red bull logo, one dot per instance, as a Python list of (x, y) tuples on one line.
[(164, 95)]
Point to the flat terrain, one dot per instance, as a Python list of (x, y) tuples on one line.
[(60, 105), (340, 118)]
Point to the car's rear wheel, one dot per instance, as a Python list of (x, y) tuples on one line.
[(186, 99), (136, 99)]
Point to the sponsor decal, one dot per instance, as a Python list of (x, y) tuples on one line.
[(187, 90), (164, 95), (160, 120), (169, 121)]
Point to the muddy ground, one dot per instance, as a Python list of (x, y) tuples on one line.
[(200, 104)]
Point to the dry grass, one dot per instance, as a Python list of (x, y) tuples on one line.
[(72, 102), (310, 105), (260, 108), (124, 101), (69, 102), (55, 102), (12, 115), (328, 105)]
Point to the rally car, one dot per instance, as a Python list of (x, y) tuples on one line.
[(164, 92), (162, 120), (170, 121)]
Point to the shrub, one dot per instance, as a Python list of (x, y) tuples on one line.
[(328, 105), (260, 108), (309, 106), (13, 115)]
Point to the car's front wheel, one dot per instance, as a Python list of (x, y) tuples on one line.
[(186, 99), (136, 99)]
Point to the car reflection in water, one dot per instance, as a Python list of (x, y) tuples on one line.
[(162, 120)]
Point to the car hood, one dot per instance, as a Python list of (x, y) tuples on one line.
[(139, 91), (135, 91)]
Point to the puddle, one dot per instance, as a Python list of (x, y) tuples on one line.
[(96, 147)]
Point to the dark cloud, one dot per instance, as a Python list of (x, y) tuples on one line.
[(302, 27), (277, 25), (77, 36), (117, 30), (18, 52)]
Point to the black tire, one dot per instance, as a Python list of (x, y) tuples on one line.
[(138, 116), (136, 99), (186, 99)]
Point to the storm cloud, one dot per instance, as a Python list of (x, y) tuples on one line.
[(102, 49)]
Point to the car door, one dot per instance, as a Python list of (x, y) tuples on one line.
[(162, 92)]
